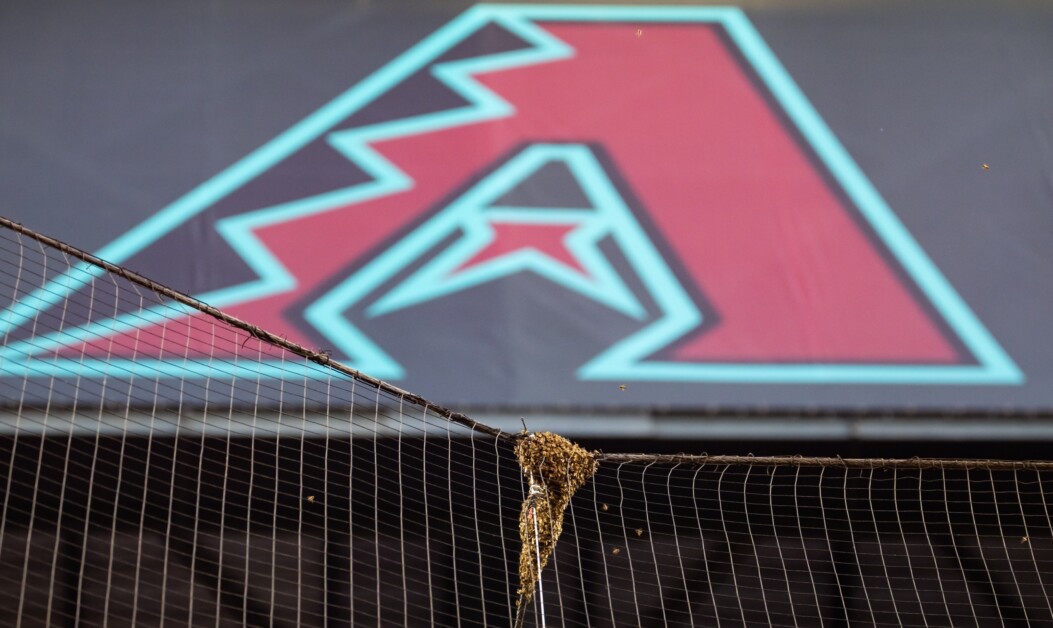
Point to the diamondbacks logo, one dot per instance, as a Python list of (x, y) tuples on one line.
[(578, 193)]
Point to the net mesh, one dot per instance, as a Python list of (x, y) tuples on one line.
[(760, 544), (164, 463)]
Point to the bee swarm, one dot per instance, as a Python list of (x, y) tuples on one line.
[(556, 468)]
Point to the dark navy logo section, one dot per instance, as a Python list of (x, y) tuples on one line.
[(554, 194)]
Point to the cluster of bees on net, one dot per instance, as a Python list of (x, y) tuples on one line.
[(556, 468)]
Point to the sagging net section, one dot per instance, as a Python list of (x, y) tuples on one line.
[(164, 463), (161, 465)]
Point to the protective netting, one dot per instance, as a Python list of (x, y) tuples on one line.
[(781, 544), (162, 463), (198, 473)]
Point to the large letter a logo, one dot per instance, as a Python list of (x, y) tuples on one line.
[(720, 233)]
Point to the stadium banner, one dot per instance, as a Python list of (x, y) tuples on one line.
[(579, 207)]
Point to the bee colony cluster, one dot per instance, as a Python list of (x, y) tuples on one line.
[(556, 468)]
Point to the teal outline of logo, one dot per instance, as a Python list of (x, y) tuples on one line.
[(624, 360)]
